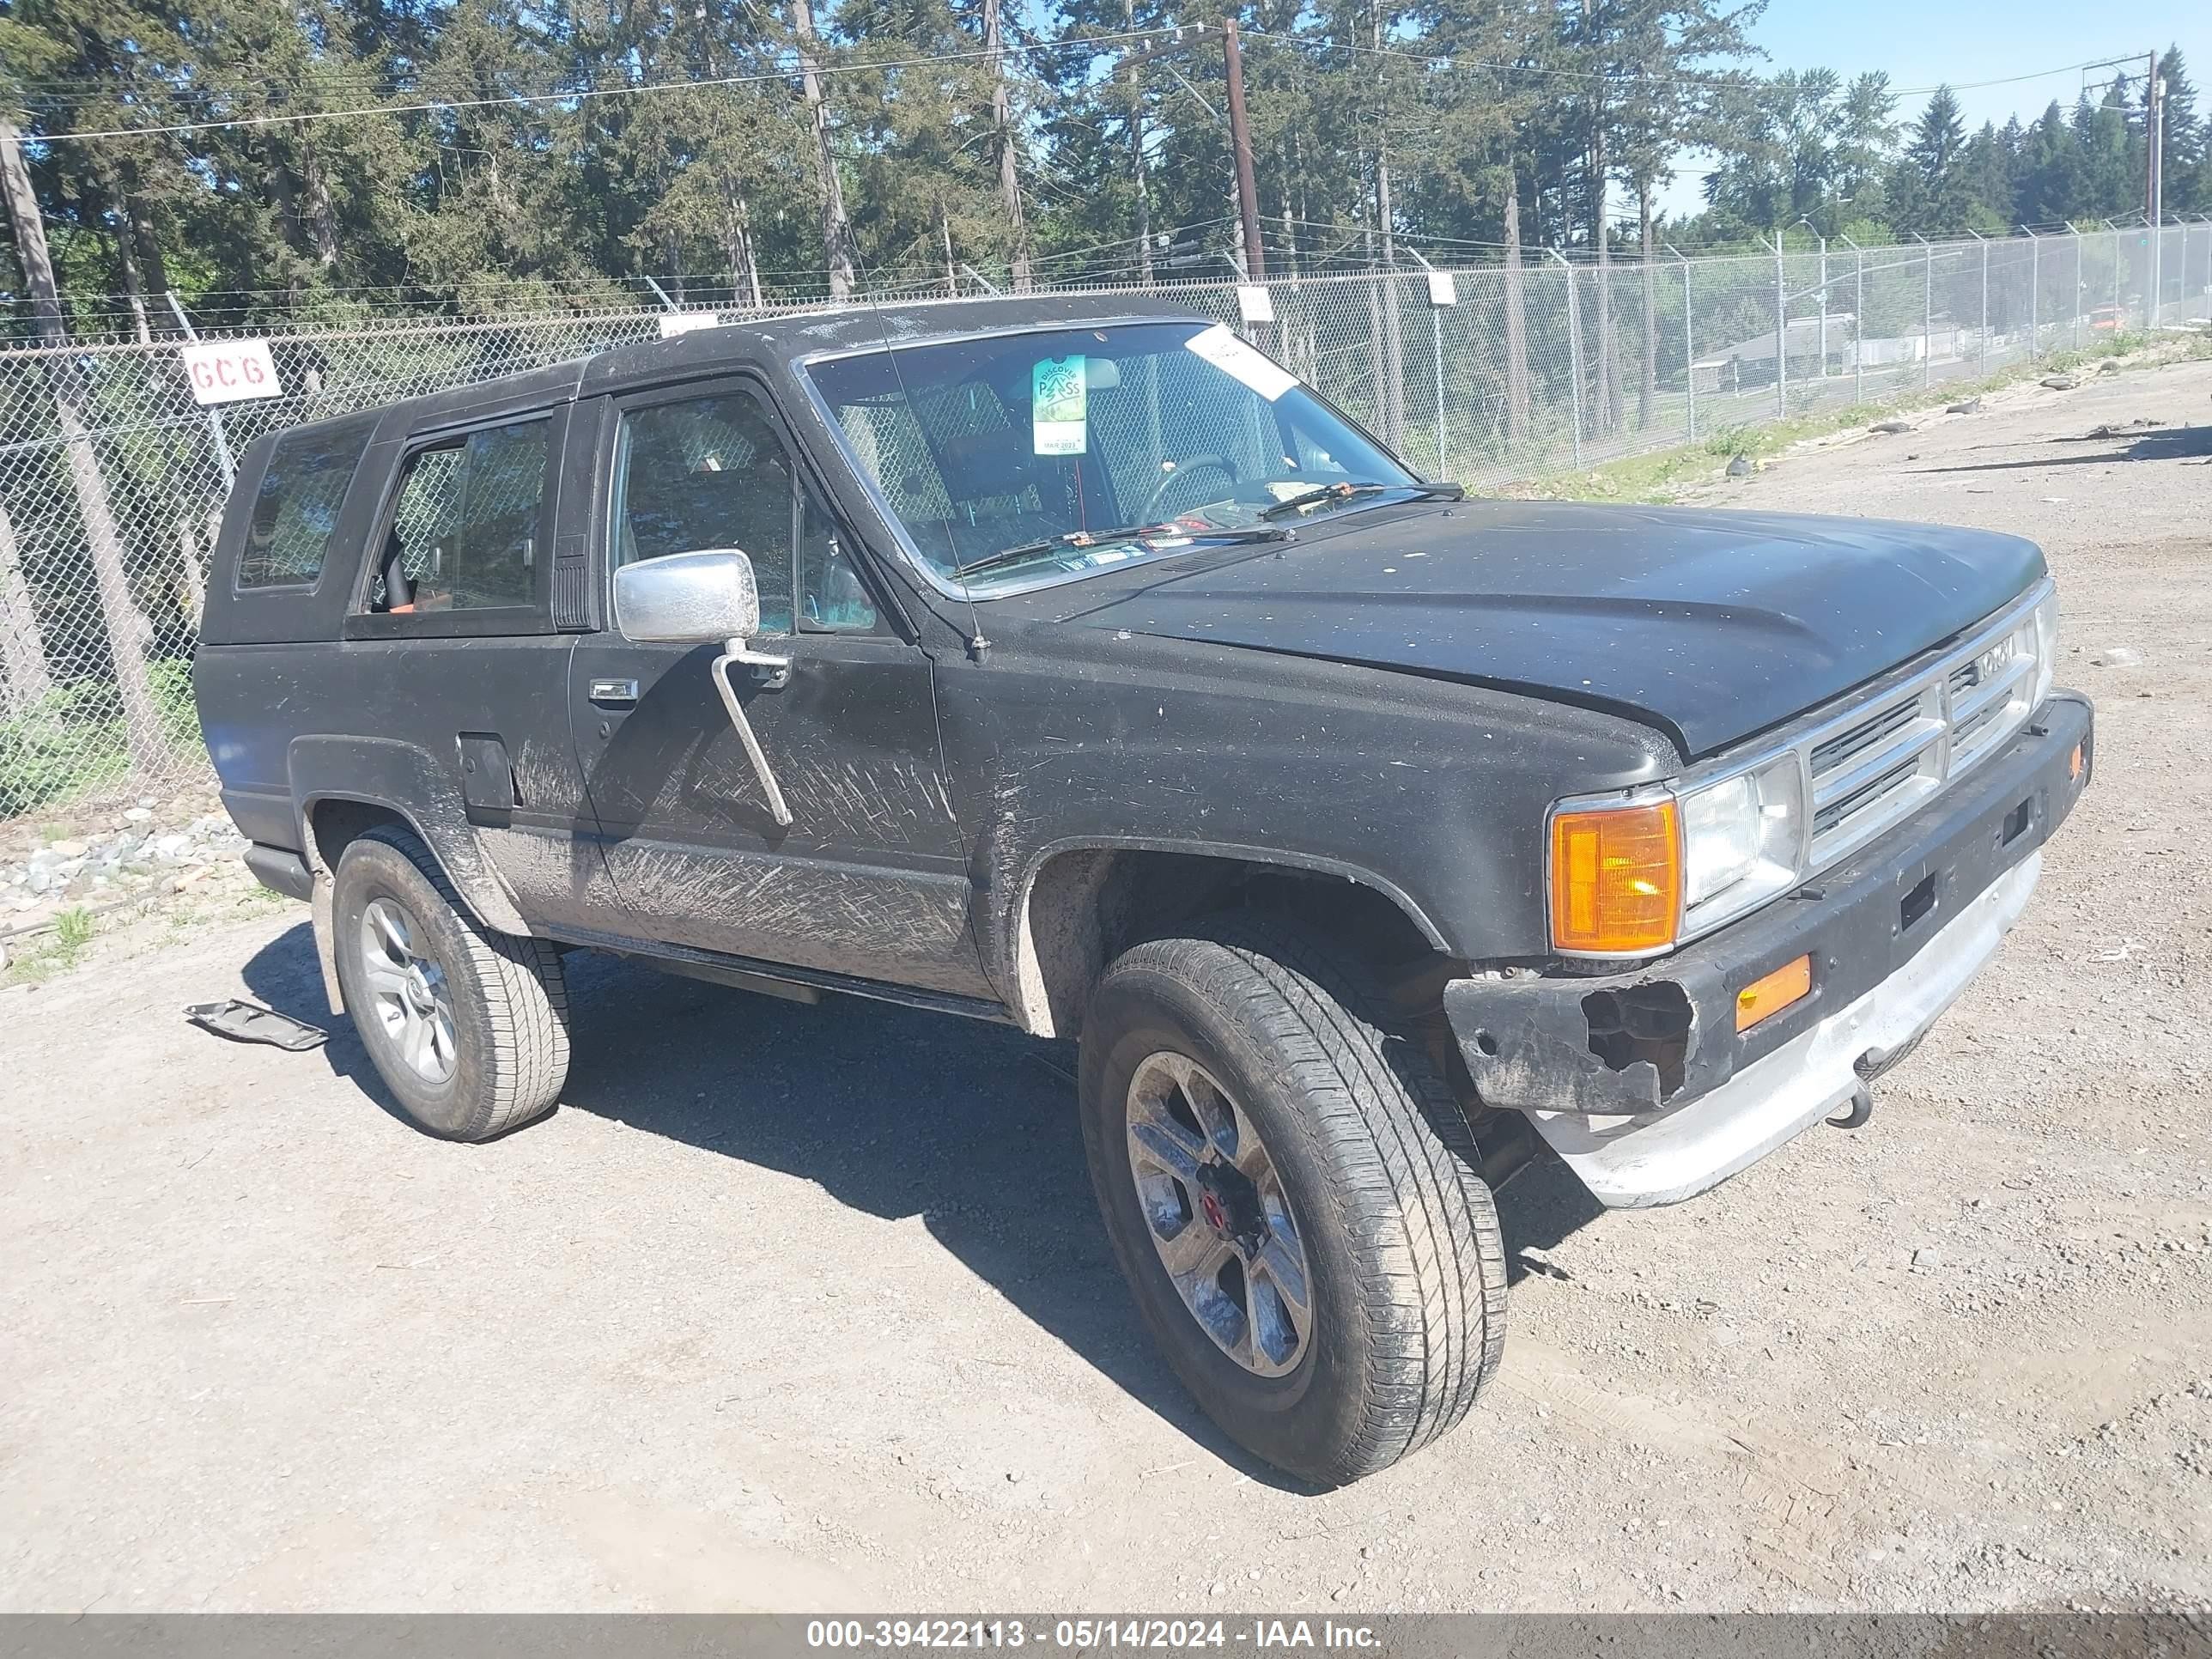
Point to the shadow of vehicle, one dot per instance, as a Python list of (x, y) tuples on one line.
[(2173, 444), (895, 1112)]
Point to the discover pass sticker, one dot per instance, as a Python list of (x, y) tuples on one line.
[(1059, 400)]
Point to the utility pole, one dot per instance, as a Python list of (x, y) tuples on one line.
[(1240, 140), (128, 631), (836, 229)]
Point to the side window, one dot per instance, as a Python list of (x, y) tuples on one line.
[(464, 535), (711, 472), (296, 508)]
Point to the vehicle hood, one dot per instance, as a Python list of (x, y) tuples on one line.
[(1710, 624)]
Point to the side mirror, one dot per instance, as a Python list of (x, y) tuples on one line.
[(709, 597), (688, 598)]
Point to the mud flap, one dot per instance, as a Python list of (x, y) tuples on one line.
[(320, 909)]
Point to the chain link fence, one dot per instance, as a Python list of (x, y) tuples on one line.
[(112, 479)]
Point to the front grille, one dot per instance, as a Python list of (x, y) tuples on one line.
[(1871, 764), (1828, 756)]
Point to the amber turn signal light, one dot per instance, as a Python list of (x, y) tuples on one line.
[(1616, 879), (2074, 764), (1764, 997)]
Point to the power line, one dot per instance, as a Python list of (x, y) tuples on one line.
[(1450, 61), (581, 94)]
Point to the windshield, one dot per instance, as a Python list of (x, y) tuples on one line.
[(1060, 451)]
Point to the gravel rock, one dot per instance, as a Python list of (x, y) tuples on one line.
[(139, 815), (1891, 426), (2061, 382)]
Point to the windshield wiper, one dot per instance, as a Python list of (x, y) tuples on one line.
[(1006, 556), (1345, 492)]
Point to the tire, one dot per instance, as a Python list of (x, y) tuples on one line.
[(502, 1044), (1377, 1170)]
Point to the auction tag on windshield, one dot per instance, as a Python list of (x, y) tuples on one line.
[(1232, 356), (1059, 401)]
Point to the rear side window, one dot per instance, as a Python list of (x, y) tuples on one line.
[(465, 533), (296, 510)]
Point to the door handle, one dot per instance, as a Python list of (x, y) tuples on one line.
[(613, 691)]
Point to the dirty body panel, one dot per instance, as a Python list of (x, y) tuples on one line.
[(1391, 696)]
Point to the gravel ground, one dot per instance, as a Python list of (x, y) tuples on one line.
[(794, 1308)]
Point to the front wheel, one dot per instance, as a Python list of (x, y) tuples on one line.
[(1294, 1196)]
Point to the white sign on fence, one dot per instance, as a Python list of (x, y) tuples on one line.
[(1255, 304), (1443, 290), (673, 323), (231, 371)]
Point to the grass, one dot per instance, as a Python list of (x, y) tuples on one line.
[(1660, 475), (56, 952)]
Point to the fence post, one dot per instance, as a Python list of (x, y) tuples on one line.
[(214, 413), (1926, 312), (1984, 242), (2034, 284), (1858, 320), (1574, 350), (1781, 335), (2078, 286), (1437, 347), (1689, 347), (2119, 310)]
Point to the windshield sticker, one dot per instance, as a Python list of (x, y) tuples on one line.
[(1059, 391), (1232, 356)]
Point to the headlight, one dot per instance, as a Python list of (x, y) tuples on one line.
[(1632, 875), (1741, 838), (2047, 649)]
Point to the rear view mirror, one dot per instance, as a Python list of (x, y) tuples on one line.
[(688, 598)]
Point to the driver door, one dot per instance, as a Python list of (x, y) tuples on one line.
[(870, 878)]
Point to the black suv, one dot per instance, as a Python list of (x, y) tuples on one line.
[(1087, 672)]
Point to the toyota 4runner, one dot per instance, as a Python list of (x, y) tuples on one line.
[(1085, 670)]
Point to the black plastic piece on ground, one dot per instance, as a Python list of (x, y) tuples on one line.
[(245, 1022)]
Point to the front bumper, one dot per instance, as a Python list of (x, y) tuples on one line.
[(1679, 1099)]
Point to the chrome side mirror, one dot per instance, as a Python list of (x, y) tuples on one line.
[(690, 599)]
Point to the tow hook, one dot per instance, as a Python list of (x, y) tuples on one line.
[(1855, 1115)]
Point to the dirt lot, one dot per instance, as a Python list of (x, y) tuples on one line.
[(795, 1308)]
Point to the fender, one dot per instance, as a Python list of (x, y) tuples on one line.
[(1007, 931), (408, 781)]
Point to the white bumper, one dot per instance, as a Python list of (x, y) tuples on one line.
[(1637, 1162)]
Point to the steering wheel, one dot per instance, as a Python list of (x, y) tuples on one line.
[(1183, 470)]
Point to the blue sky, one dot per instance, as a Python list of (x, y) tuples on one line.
[(1919, 44)]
